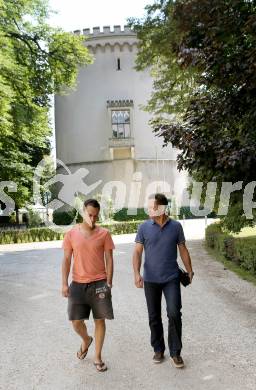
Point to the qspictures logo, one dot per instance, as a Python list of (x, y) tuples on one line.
[(71, 187)]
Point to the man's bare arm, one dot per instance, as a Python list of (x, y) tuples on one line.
[(137, 258), (109, 266), (186, 259), (66, 264)]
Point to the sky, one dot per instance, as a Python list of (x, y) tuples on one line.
[(78, 14)]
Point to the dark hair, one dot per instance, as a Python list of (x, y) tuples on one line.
[(160, 199), (92, 202)]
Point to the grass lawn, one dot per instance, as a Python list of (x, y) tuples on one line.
[(246, 232)]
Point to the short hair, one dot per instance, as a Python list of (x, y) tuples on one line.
[(160, 199), (92, 202)]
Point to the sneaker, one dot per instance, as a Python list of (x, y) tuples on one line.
[(177, 361), (158, 357)]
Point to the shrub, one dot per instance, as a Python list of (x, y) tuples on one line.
[(29, 235), (245, 253), (64, 217), (122, 215), (239, 250), (4, 219), (185, 211), (34, 219), (123, 227)]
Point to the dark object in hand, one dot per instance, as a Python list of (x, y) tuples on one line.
[(184, 277)]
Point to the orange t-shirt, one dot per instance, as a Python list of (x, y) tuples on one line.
[(88, 253)]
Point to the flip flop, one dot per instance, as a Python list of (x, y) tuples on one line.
[(101, 366), (82, 354)]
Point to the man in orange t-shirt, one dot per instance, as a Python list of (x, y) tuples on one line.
[(92, 272)]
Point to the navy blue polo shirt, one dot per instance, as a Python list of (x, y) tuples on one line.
[(160, 246)]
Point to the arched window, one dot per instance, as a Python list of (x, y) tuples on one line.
[(120, 123)]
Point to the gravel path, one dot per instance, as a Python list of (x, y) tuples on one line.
[(38, 346)]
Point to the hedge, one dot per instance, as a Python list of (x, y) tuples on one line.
[(46, 234), (187, 214), (29, 235), (66, 217), (239, 250), (122, 215), (123, 227)]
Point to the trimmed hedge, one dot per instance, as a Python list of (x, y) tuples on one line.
[(122, 227), (239, 250), (65, 217), (46, 234), (29, 235), (121, 215)]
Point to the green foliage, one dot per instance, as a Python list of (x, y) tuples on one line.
[(158, 41), (215, 238), (34, 219), (239, 250), (126, 227), (64, 217), (4, 219), (29, 235), (122, 215), (203, 55), (185, 212), (245, 253), (36, 61)]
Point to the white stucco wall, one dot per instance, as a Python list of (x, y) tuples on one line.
[(82, 119), (83, 123)]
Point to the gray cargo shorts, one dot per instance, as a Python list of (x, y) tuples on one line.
[(86, 297)]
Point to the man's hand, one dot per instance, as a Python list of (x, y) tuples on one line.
[(66, 263), (109, 267), (136, 260), (191, 274), (65, 290), (185, 257), (138, 281)]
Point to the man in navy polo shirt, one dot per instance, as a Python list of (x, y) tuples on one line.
[(160, 236)]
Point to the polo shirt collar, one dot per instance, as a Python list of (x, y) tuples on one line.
[(153, 221)]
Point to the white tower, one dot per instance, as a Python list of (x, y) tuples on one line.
[(102, 126)]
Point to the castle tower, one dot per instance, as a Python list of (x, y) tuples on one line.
[(102, 126)]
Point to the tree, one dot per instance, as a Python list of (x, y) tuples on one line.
[(36, 61), (203, 56)]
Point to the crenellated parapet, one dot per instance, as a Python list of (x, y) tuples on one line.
[(107, 38), (107, 30)]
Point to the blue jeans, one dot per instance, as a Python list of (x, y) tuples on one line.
[(172, 294)]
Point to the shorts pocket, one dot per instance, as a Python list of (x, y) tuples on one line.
[(76, 293), (102, 291)]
